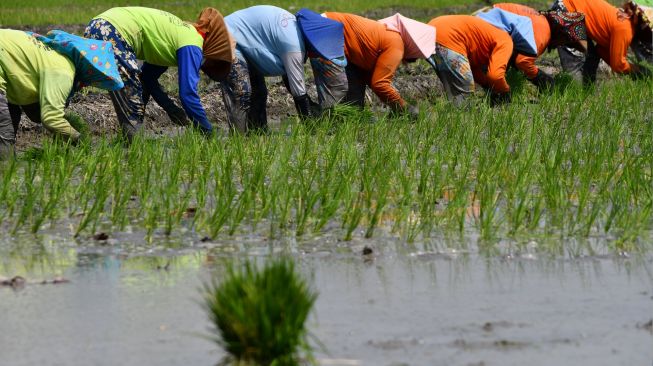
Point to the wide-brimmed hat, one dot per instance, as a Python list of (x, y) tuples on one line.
[(519, 27), (218, 45), (419, 38), (94, 60), (324, 36)]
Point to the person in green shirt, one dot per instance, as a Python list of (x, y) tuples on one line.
[(162, 40), (39, 73)]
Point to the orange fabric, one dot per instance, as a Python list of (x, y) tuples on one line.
[(374, 49), (611, 33), (542, 32), (484, 45)]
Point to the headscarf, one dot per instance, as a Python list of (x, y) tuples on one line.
[(324, 36), (219, 45), (519, 27), (94, 60), (570, 24), (419, 38)]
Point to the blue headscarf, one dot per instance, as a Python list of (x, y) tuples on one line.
[(95, 64), (519, 27), (324, 36)]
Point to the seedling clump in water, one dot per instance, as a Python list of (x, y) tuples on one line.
[(259, 314)]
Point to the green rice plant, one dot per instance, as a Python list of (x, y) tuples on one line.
[(259, 314)]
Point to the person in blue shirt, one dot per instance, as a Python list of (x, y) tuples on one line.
[(269, 42)]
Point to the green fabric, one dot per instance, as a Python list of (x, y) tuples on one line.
[(31, 72), (155, 35)]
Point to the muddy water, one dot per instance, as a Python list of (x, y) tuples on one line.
[(401, 305)]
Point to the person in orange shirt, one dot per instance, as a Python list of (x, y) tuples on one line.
[(373, 52), (611, 31), (551, 29), (469, 49)]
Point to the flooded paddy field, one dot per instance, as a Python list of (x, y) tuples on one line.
[(500, 237), (486, 236), (399, 304)]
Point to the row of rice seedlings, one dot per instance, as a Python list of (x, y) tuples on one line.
[(567, 165)]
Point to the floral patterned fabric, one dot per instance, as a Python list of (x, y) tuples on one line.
[(455, 72), (95, 64), (127, 101)]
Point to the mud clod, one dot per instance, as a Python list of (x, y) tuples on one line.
[(16, 282), (101, 236), (648, 326)]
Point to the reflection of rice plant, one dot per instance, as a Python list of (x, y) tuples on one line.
[(259, 314)]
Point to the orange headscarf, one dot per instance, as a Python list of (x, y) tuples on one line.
[(218, 44)]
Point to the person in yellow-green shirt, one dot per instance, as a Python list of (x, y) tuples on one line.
[(39, 73), (162, 40)]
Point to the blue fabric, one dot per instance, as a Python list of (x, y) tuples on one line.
[(519, 27), (95, 64), (325, 36), (263, 34), (189, 60)]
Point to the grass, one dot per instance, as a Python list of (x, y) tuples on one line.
[(258, 314), (573, 164), (42, 12)]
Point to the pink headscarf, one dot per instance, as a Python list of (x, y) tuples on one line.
[(419, 38)]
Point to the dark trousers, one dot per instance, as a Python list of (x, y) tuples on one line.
[(9, 120), (245, 97), (580, 66)]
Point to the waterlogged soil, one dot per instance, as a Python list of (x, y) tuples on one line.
[(381, 302)]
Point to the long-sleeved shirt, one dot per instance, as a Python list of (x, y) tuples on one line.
[(542, 30), (162, 39), (611, 33), (269, 38), (31, 72), (484, 45), (375, 49)]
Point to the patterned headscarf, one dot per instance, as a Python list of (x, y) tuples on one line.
[(570, 25), (95, 64)]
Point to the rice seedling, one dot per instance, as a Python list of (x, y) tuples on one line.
[(575, 164), (259, 314)]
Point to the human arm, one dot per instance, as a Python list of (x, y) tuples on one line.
[(295, 83), (495, 78), (150, 75), (620, 39), (189, 61), (54, 88), (384, 71), (526, 64)]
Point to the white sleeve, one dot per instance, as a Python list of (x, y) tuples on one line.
[(294, 64)]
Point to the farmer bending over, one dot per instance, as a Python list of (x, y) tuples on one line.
[(374, 51), (610, 32), (273, 42), (163, 40), (468, 50), (551, 29), (39, 73)]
